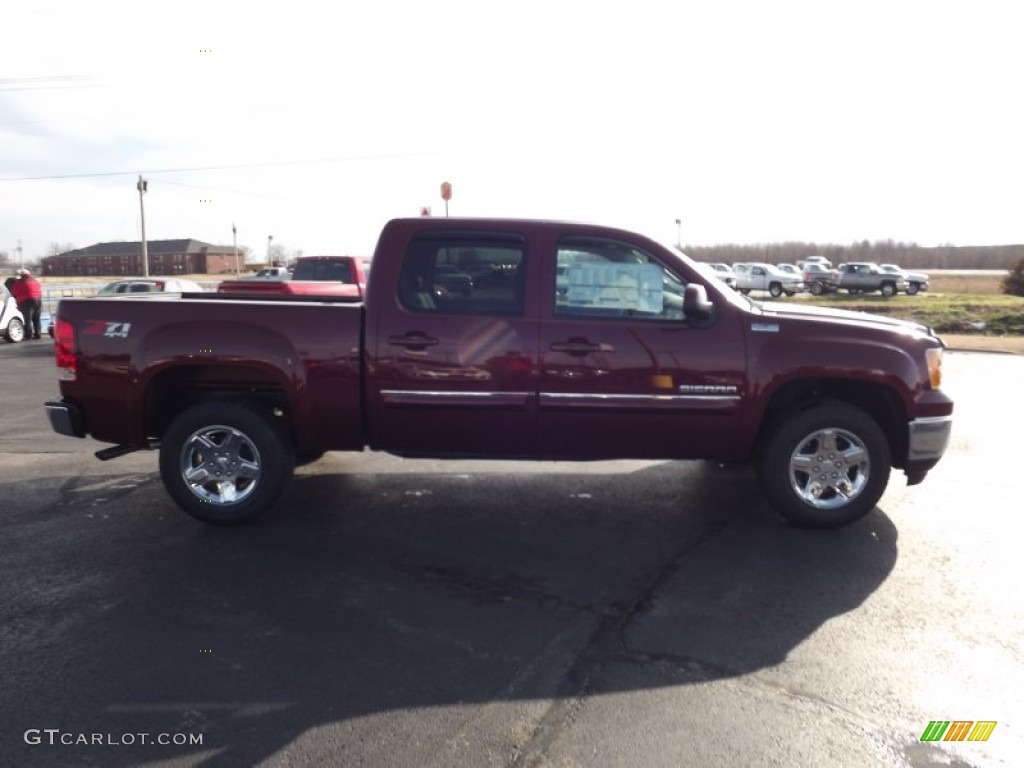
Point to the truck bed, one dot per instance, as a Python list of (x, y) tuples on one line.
[(140, 361)]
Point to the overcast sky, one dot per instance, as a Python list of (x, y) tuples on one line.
[(314, 123)]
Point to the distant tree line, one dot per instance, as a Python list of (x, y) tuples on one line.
[(908, 255)]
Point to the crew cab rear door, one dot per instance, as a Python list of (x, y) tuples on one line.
[(623, 371), (453, 364)]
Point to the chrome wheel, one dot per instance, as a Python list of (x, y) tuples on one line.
[(220, 464), (829, 468)]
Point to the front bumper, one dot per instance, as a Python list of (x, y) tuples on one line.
[(928, 439), (66, 418)]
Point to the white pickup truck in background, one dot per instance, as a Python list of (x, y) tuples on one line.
[(270, 273), (766, 277)]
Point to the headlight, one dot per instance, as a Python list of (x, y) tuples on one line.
[(933, 357)]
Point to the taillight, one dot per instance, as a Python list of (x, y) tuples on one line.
[(64, 350)]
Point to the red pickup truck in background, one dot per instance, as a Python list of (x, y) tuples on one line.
[(569, 341), (313, 276)]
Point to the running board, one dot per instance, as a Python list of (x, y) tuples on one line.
[(115, 452)]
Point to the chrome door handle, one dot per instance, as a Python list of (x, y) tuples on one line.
[(413, 341), (577, 347)]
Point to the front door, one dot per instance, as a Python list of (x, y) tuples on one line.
[(623, 372)]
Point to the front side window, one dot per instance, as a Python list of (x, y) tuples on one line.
[(463, 275), (603, 278)]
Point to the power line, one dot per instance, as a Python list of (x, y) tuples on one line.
[(47, 83), (239, 166)]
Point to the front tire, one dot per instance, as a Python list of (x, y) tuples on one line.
[(888, 289), (825, 466), (15, 331), (225, 463), (775, 290)]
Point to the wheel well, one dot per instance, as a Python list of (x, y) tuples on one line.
[(877, 400), (172, 391)]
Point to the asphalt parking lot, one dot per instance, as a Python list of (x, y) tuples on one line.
[(491, 614)]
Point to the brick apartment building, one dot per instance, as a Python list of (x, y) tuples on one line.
[(166, 257)]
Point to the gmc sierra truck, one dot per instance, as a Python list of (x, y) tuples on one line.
[(573, 341)]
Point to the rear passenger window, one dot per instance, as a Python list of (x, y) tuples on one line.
[(463, 275)]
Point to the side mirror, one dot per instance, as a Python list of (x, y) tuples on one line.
[(695, 302)]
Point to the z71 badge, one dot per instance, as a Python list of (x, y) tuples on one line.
[(108, 329)]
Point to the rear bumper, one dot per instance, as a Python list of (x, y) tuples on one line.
[(65, 418)]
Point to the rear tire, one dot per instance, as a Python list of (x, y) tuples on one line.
[(912, 288), (817, 289), (825, 466), (775, 290), (225, 463), (15, 331)]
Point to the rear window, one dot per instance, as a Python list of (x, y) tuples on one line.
[(317, 269)]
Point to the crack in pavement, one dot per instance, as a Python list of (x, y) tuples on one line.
[(606, 642)]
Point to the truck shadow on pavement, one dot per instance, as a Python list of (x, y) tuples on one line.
[(408, 615)]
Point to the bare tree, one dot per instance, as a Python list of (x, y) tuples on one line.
[(278, 254), (55, 248)]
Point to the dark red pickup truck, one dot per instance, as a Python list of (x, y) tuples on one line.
[(506, 339)]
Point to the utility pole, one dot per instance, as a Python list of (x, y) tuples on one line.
[(234, 241), (270, 239), (141, 186), (679, 234), (21, 255)]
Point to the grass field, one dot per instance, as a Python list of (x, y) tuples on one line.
[(970, 311), (942, 283), (945, 312)]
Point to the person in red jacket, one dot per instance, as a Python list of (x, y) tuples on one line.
[(29, 294)]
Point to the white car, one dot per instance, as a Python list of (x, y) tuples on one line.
[(723, 272), (767, 277), (802, 263), (142, 286), (12, 323), (149, 285), (270, 273)]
